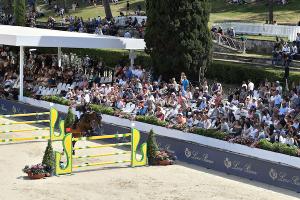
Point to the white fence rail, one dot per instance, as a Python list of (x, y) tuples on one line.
[(263, 29), (229, 42)]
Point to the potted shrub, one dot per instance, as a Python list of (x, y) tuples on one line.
[(152, 148), (156, 156), (48, 159), (35, 171)]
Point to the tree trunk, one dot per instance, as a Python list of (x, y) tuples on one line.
[(271, 11), (19, 12), (107, 9)]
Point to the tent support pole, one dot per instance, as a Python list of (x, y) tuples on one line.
[(59, 56), (132, 57), (21, 92)]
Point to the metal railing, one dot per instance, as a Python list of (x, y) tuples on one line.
[(232, 43)]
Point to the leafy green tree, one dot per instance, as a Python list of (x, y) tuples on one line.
[(177, 36), (19, 12), (6, 6), (65, 4)]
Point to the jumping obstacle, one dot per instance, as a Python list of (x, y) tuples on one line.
[(68, 149), (53, 117)]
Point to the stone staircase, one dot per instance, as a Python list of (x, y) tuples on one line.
[(224, 43)]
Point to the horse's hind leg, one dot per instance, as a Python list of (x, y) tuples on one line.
[(73, 144)]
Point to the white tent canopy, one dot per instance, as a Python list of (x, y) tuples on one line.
[(35, 37)]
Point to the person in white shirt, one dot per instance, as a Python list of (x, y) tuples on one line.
[(278, 87), (286, 49), (224, 125), (87, 98), (206, 122), (294, 50), (250, 88), (244, 85), (277, 99)]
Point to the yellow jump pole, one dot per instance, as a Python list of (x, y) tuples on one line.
[(23, 139), (25, 115), (102, 137), (103, 146), (101, 155), (24, 130), (102, 163), (25, 122)]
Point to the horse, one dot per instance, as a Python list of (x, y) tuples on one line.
[(86, 126)]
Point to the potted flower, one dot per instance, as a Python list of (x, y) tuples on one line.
[(35, 171), (165, 158)]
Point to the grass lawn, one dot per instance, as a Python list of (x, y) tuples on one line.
[(90, 11), (254, 12)]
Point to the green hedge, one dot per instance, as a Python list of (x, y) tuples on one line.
[(211, 133), (103, 109), (110, 57), (234, 73), (151, 120), (56, 99), (278, 147)]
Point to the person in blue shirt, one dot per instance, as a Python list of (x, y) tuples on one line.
[(142, 110), (185, 83), (127, 72)]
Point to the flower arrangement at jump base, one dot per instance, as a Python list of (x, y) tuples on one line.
[(36, 171), (157, 156), (44, 169)]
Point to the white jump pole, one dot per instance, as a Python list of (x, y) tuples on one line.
[(21, 91)]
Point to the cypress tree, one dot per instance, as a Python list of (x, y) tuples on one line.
[(177, 36), (70, 119), (48, 158), (19, 12), (152, 148)]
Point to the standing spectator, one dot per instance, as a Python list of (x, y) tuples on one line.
[(127, 34), (250, 88), (298, 39), (185, 83)]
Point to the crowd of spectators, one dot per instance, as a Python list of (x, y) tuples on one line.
[(255, 111), (6, 19), (284, 53), (100, 26), (97, 25)]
